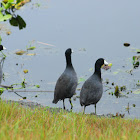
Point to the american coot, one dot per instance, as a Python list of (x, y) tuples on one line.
[(92, 89), (67, 82), (2, 48)]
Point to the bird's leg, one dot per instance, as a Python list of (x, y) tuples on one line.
[(63, 105), (71, 103), (84, 109), (95, 108), (3, 55)]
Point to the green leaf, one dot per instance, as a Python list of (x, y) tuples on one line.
[(8, 16), (115, 72), (134, 58), (1, 16), (13, 21), (10, 1), (21, 22), (31, 48), (3, 4), (2, 90), (21, 52), (7, 6), (91, 69), (138, 50), (81, 80), (38, 86), (18, 1), (1, 9)]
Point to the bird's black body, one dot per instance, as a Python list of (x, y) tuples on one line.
[(92, 89), (67, 82)]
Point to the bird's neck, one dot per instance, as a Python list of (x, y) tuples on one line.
[(68, 61), (98, 71)]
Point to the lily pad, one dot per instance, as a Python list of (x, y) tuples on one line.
[(21, 52)]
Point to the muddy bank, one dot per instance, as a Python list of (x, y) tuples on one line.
[(34, 105)]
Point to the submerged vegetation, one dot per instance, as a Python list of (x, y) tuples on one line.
[(17, 122)]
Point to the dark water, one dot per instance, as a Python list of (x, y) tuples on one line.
[(93, 29)]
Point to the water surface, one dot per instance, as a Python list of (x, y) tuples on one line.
[(93, 29)]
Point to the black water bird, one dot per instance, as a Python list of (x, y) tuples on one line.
[(66, 84), (92, 89), (2, 47)]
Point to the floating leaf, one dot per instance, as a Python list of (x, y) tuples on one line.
[(81, 80), (136, 61), (118, 71), (123, 88), (126, 44), (8, 32), (138, 50), (138, 84), (24, 97), (2, 90), (82, 49), (31, 54), (116, 91), (38, 86), (110, 64), (91, 69), (136, 91), (134, 105), (25, 71), (31, 48), (21, 52)]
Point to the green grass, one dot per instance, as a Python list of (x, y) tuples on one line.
[(17, 122)]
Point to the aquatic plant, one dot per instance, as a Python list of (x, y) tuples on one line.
[(7, 12)]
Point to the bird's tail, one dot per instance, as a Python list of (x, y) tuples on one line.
[(55, 101), (81, 102)]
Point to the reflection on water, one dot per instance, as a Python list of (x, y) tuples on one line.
[(92, 29)]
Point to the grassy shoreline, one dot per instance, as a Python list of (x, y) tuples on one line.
[(17, 122)]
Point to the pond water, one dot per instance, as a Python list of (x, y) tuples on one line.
[(93, 29)]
